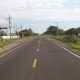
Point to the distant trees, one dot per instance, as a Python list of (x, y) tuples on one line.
[(2, 33), (73, 31), (53, 30), (78, 31), (70, 32), (61, 31), (26, 32)]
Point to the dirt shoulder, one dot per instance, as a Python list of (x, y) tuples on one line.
[(12, 45)]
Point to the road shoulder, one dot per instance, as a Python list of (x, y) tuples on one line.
[(13, 45), (63, 47)]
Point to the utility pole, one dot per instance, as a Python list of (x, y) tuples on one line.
[(57, 29), (14, 31), (21, 32), (9, 19), (21, 27)]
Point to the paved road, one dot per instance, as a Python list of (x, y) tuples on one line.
[(39, 59)]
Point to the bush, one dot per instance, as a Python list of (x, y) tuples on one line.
[(69, 39)]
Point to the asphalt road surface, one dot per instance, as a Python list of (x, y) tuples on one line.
[(39, 59)]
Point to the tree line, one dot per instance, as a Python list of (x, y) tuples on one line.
[(54, 30), (27, 32)]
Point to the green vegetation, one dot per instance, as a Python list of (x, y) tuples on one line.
[(5, 42), (54, 31), (72, 43), (26, 33), (8, 41), (29, 37), (69, 38)]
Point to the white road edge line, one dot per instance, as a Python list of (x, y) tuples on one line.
[(64, 49)]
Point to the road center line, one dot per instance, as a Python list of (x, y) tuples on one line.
[(34, 63), (38, 50)]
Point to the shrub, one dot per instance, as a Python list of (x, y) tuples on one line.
[(69, 39)]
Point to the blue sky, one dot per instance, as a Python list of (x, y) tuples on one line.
[(40, 14)]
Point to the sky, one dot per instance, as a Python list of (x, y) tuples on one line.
[(40, 14)]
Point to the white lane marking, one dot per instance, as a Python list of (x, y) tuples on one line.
[(4, 54), (65, 49), (69, 51), (34, 63), (38, 50)]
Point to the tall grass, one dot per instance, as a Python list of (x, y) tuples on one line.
[(5, 42), (72, 42)]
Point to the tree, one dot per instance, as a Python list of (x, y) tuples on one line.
[(17, 33), (78, 31), (71, 32), (26, 32), (30, 32), (53, 30), (61, 31), (2, 33)]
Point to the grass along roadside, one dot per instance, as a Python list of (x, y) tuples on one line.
[(6, 45), (6, 42), (69, 44)]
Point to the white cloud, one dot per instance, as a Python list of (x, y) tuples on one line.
[(39, 10)]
